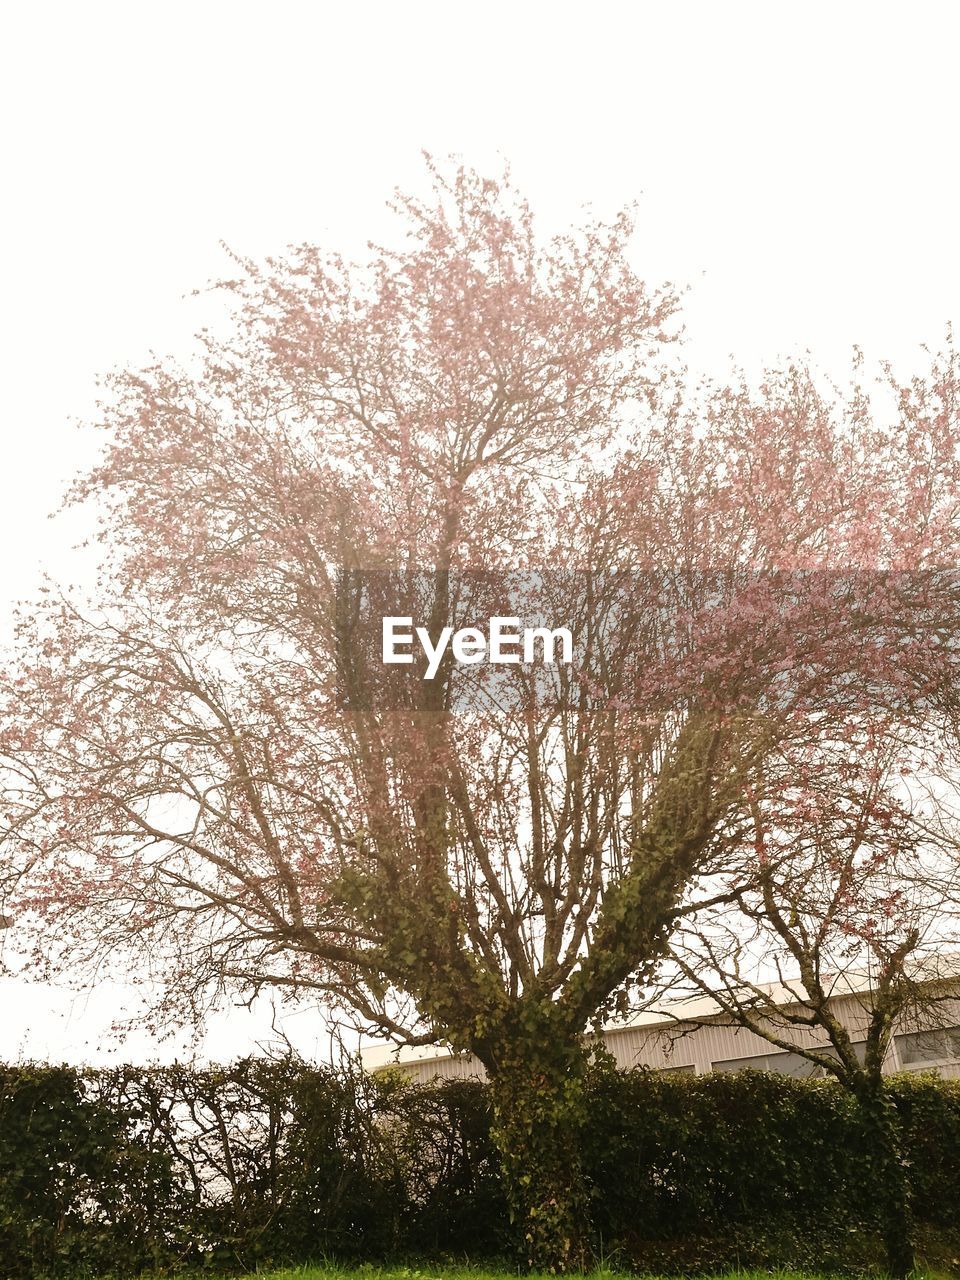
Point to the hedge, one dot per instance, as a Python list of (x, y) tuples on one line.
[(265, 1162)]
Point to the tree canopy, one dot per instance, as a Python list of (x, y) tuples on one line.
[(209, 767)]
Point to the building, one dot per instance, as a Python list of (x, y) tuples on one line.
[(691, 1036)]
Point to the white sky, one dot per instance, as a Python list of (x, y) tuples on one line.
[(795, 164)]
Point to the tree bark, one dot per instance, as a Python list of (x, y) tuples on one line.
[(537, 1083), (889, 1179)]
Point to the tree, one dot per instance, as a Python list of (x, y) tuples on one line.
[(854, 896), (210, 766)]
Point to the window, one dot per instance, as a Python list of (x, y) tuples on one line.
[(787, 1064), (929, 1046)]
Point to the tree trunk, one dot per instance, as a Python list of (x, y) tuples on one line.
[(887, 1177), (537, 1085)]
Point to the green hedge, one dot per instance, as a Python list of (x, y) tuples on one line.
[(128, 1169), (756, 1169), (80, 1188)]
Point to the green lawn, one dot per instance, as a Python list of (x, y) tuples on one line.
[(367, 1272)]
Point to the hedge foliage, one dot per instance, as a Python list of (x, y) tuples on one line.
[(129, 1168)]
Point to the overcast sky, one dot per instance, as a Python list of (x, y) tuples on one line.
[(795, 165)]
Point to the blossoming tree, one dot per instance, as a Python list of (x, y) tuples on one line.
[(209, 768)]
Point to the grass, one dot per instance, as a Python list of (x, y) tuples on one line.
[(332, 1271)]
